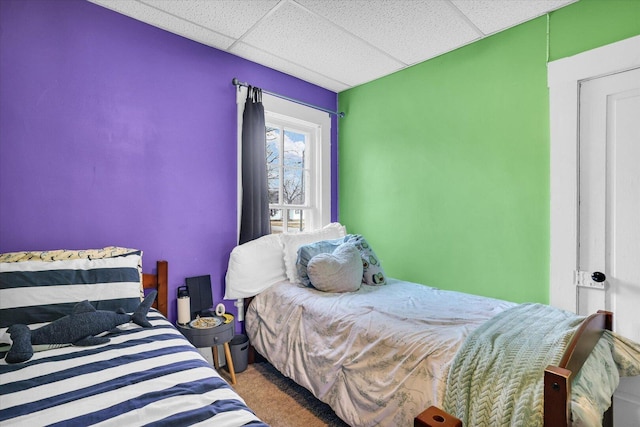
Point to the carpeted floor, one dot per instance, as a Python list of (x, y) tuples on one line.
[(280, 402)]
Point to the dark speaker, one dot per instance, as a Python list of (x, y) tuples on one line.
[(200, 293)]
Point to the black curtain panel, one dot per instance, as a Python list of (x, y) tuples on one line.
[(254, 221)]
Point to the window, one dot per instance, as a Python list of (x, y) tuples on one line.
[(291, 150), (298, 161)]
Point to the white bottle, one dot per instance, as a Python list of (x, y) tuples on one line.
[(184, 306)]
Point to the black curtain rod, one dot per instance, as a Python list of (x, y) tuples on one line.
[(237, 82)]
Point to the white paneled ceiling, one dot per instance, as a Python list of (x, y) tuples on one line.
[(336, 44)]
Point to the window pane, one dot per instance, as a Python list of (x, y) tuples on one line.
[(295, 219), (272, 133), (276, 220), (273, 162), (294, 149), (273, 181), (273, 196), (293, 191), (273, 145)]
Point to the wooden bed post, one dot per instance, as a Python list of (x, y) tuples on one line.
[(160, 282), (557, 379), (163, 287), (557, 389), (436, 417)]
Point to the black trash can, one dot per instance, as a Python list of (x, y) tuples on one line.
[(239, 346)]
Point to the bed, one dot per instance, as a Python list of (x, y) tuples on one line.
[(401, 354), (143, 376)]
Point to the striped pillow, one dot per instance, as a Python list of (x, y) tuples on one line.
[(37, 291)]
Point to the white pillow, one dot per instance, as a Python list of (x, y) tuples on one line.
[(340, 271), (254, 266), (292, 241)]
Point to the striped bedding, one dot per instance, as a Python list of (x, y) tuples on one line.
[(36, 291), (143, 376)]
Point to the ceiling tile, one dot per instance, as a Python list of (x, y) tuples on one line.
[(256, 55), (496, 15), (229, 17), (292, 32), (168, 22), (411, 31)]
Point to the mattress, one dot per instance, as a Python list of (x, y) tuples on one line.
[(143, 376)]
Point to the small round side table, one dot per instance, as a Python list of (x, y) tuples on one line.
[(212, 337)]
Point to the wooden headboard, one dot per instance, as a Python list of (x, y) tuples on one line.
[(160, 282)]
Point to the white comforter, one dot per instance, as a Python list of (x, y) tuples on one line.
[(379, 356)]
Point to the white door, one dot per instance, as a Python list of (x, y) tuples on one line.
[(609, 212)]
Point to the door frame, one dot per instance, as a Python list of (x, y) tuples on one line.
[(563, 79)]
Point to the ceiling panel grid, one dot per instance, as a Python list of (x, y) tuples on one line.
[(336, 44)]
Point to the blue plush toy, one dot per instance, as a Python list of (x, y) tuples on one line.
[(79, 328)]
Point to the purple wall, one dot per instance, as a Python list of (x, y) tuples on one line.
[(114, 132)]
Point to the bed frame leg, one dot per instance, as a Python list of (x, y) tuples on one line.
[(435, 417), (252, 355)]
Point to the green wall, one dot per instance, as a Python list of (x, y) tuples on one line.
[(444, 166)]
